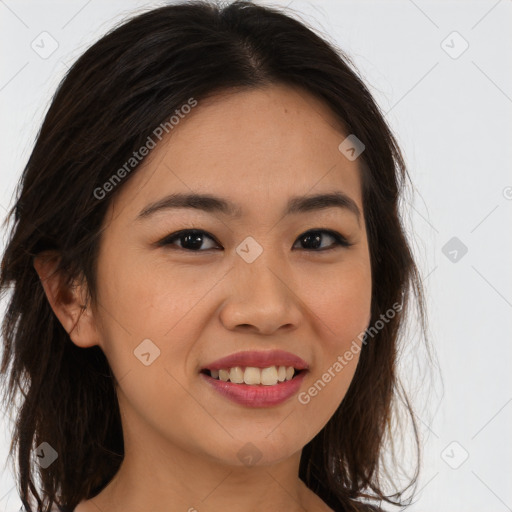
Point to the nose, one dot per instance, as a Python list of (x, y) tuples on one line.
[(261, 298)]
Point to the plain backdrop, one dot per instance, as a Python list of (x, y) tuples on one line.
[(441, 73)]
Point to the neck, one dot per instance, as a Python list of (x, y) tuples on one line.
[(174, 479)]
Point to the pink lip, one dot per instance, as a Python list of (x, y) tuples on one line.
[(258, 360), (256, 395)]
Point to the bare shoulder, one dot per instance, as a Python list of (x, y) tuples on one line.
[(85, 506)]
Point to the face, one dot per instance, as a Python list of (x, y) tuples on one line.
[(252, 277)]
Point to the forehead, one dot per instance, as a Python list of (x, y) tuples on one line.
[(255, 146)]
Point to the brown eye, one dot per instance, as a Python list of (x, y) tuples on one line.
[(190, 240), (313, 240)]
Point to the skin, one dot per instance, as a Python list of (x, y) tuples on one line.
[(256, 148)]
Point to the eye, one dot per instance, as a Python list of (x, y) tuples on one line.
[(193, 240), (314, 237), (190, 239)]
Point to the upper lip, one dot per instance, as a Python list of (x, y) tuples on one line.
[(258, 359)]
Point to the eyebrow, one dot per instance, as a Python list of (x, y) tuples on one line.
[(214, 204)]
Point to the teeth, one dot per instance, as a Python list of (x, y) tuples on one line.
[(269, 376), (236, 375), (253, 376)]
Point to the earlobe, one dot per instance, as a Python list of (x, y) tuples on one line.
[(69, 303)]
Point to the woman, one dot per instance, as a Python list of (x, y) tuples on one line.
[(209, 274)]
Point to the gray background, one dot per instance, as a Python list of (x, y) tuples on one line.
[(450, 108)]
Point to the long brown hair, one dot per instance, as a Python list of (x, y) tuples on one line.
[(111, 100)]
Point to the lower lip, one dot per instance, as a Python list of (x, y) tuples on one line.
[(257, 395)]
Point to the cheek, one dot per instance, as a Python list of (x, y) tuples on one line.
[(142, 298), (341, 299), (140, 315), (152, 315), (342, 305)]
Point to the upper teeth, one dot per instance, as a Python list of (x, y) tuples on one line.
[(251, 375)]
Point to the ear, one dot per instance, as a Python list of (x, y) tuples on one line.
[(69, 303)]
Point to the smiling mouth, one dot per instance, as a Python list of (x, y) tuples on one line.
[(253, 376)]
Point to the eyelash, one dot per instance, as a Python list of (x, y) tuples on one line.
[(340, 240)]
